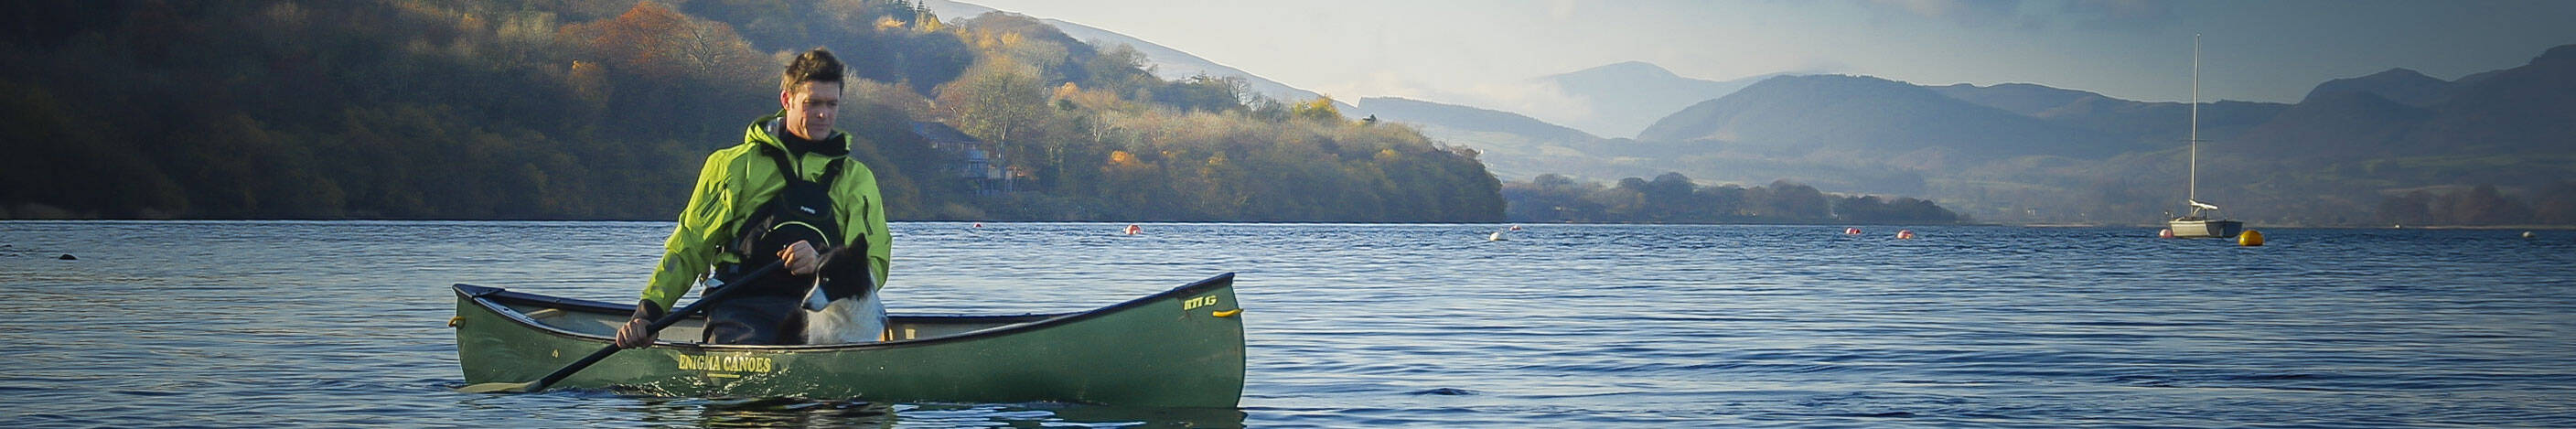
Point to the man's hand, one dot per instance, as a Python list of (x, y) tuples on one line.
[(638, 332), (800, 258), (634, 335)]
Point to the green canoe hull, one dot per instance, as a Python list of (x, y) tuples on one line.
[(1179, 348)]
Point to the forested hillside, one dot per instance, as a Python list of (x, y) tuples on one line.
[(543, 109)]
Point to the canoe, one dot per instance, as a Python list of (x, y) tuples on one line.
[(1178, 348)]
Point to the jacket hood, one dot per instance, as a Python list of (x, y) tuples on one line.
[(769, 131)]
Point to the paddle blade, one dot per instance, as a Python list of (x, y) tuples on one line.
[(496, 388)]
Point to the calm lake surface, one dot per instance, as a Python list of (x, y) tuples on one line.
[(343, 324)]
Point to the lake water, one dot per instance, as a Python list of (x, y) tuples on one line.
[(342, 324)]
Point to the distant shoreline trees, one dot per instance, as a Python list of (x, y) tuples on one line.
[(2480, 205), (1674, 198)]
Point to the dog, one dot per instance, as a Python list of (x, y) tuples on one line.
[(843, 313), (857, 319)]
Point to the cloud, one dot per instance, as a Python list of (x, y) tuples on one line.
[(1381, 83), (1562, 10), (2121, 15), (1965, 13), (1819, 65), (2113, 15)]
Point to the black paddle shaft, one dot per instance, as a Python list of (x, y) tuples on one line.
[(713, 295)]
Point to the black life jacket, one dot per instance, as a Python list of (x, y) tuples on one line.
[(803, 211)]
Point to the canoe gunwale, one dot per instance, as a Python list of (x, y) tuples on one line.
[(493, 299)]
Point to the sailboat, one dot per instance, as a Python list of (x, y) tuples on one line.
[(2198, 222)]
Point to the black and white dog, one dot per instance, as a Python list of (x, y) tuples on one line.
[(843, 312)]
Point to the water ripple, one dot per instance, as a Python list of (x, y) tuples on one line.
[(341, 324)]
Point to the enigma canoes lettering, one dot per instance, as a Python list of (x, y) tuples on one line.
[(724, 363), (1196, 302)]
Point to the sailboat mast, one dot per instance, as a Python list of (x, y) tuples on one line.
[(2191, 190)]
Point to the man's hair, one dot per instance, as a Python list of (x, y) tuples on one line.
[(816, 65)]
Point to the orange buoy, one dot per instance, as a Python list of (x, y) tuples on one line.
[(1516, 227), (2164, 233), (1132, 229), (1905, 234), (979, 224), (1851, 231)]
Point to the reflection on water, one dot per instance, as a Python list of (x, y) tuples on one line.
[(342, 324), (767, 412), (802, 412)]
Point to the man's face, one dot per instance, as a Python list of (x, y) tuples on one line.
[(810, 108)]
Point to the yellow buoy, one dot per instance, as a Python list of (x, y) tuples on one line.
[(2250, 238)]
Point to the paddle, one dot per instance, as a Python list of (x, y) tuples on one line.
[(714, 294)]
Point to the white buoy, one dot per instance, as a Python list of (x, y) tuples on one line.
[(1498, 236), (2528, 234)]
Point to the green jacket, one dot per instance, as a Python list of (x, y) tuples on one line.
[(734, 183)]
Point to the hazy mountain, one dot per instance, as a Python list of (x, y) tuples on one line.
[(1618, 100), (2329, 159), (1167, 63), (2527, 109), (2151, 124), (2400, 113), (2339, 156), (1466, 118), (2336, 126), (2400, 85), (1514, 147), (2022, 98), (1866, 115)]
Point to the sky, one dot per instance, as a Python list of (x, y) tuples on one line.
[(1481, 51)]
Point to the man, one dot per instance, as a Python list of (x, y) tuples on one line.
[(788, 193)]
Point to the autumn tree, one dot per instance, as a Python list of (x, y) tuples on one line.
[(1120, 70), (994, 99), (1320, 110), (1128, 182), (657, 42), (1205, 93)]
